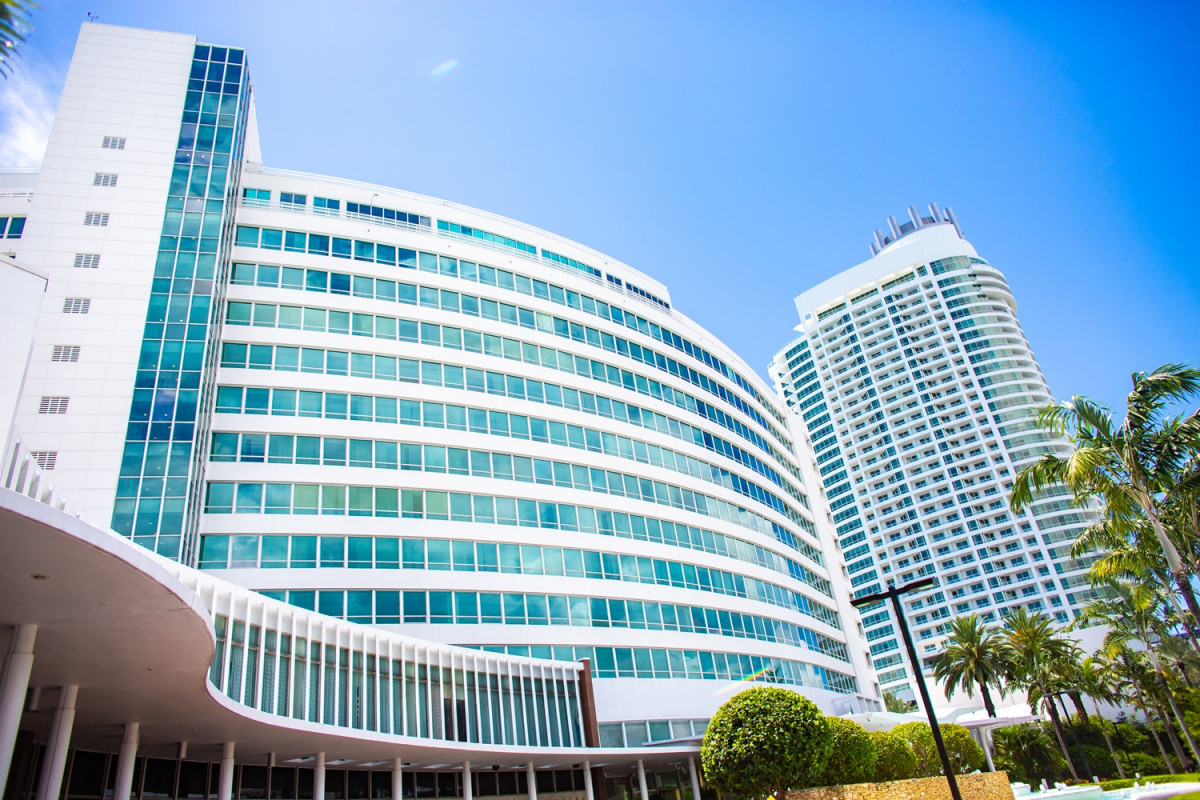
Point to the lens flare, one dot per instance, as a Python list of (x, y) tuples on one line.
[(443, 68), (753, 676)]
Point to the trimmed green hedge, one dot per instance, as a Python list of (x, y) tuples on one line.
[(1125, 783)]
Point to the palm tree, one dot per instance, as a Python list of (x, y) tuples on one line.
[(1034, 648), (973, 656), (1094, 678), (1132, 673), (1134, 613), (1183, 660), (1135, 558), (1067, 671), (894, 703), (1139, 469)]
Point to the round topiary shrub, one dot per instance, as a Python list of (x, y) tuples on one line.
[(965, 753), (765, 740), (853, 756), (894, 759)]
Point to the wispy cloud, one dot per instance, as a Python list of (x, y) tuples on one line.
[(26, 100)]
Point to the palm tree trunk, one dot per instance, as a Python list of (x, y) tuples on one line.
[(1189, 597), (1158, 740), (1087, 768), (1048, 704), (1077, 701), (1174, 707), (1181, 574), (987, 699), (1111, 750), (1183, 725), (1169, 729)]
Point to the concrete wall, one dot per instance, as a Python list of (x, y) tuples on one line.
[(21, 290), (978, 786)]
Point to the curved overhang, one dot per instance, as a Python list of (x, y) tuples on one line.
[(114, 620)]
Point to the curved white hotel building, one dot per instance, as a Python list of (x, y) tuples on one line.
[(917, 393), (393, 497)]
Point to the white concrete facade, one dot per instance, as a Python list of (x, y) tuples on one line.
[(916, 392), (20, 299), (123, 84)]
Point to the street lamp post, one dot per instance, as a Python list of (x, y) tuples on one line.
[(893, 594)]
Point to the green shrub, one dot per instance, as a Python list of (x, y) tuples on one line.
[(894, 759), (766, 740), (1029, 753), (1143, 763), (965, 753), (1130, 737), (853, 757), (1100, 760)]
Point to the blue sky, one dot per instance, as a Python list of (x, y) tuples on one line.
[(742, 152)]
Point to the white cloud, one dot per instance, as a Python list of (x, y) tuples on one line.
[(26, 114)]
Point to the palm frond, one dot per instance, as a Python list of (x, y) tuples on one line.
[(14, 27), (1152, 391), (1094, 418)]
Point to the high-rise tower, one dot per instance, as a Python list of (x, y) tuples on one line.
[(917, 391)]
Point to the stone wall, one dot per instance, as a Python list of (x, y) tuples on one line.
[(977, 786)]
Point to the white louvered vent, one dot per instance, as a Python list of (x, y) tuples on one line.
[(65, 352), (77, 305), (87, 260), (53, 405), (96, 219), (104, 179), (45, 458), (114, 143)]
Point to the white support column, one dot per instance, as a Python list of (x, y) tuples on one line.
[(129, 747), (588, 792), (14, 682), (225, 784), (645, 793), (468, 789), (319, 777), (397, 778), (983, 736), (695, 777), (531, 779), (50, 781)]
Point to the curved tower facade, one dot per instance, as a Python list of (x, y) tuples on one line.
[(917, 392), (432, 417)]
